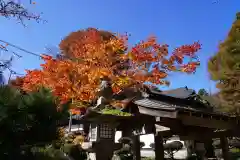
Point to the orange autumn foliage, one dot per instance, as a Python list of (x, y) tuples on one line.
[(90, 54), (18, 82)]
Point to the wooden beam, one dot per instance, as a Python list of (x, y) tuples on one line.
[(206, 135), (225, 148), (159, 150), (172, 123), (209, 123), (178, 128), (166, 134), (232, 119), (228, 133), (157, 112), (136, 148)]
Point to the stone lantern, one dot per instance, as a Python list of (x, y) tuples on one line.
[(101, 137), (99, 132)]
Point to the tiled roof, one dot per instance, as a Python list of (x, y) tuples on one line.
[(181, 93), (180, 98), (154, 104)]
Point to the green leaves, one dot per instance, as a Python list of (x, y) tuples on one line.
[(202, 92), (115, 112)]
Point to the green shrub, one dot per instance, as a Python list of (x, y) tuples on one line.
[(75, 152), (49, 153), (235, 153)]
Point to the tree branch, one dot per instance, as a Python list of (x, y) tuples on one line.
[(12, 9)]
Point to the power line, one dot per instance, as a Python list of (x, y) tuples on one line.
[(21, 49), (12, 72), (29, 52), (8, 50)]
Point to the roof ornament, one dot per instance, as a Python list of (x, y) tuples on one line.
[(145, 95), (105, 93), (144, 92)]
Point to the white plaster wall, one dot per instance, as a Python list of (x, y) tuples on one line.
[(148, 139)]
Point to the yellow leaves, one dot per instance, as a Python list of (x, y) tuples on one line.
[(78, 140), (123, 81), (104, 72), (75, 111), (117, 44), (131, 56)]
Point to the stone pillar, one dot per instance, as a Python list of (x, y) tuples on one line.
[(159, 150), (225, 148)]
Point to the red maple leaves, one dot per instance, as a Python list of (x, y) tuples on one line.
[(90, 54)]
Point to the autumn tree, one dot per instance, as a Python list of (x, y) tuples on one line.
[(224, 68), (18, 82), (87, 55)]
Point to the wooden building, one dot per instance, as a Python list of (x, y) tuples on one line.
[(181, 110), (188, 116)]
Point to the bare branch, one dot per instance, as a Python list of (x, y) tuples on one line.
[(9, 9)]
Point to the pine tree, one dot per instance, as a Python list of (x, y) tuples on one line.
[(202, 92), (224, 68), (27, 120)]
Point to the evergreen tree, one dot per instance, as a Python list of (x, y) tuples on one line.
[(224, 67), (26, 121), (202, 92)]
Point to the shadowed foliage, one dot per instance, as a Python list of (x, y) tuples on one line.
[(26, 120)]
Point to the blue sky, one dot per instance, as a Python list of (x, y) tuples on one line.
[(174, 22)]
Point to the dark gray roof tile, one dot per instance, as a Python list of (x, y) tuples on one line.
[(154, 104), (182, 93)]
